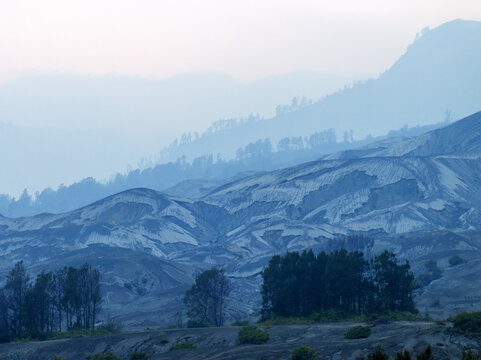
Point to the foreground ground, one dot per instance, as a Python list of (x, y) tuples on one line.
[(220, 343)]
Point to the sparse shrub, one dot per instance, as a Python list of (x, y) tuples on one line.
[(111, 327), (403, 355), (240, 323), (281, 320), (79, 332), (138, 356), (378, 354), (387, 317), (303, 353), (331, 315), (467, 323), (251, 334), (106, 356), (470, 355), (198, 324), (183, 345), (455, 260), (426, 355), (358, 332)]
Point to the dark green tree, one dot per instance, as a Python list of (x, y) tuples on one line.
[(301, 284), (403, 355), (15, 290), (426, 355), (395, 283), (69, 297), (378, 354), (4, 330)]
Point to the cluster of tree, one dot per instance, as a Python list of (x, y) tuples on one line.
[(296, 104), (302, 284), (257, 149), (55, 301), (316, 140), (206, 300), (256, 156)]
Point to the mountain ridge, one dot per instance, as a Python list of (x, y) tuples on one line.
[(414, 205), (329, 197)]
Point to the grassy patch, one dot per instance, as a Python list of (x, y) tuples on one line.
[(106, 356), (240, 323), (183, 345), (340, 316), (279, 320), (76, 332), (358, 332), (198, 324), (106, 329), (251, 334), (466, 323)]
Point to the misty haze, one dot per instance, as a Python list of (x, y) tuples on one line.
[(238, 180)]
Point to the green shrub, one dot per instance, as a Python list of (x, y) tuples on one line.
[(455, 260), (358, 332), (183, 345), (426, 355), (378, 354), (467, 323), (106, 356), (251, 334), (240, 323), (139, 356), (470, 355), (403, 355), (303, 353)]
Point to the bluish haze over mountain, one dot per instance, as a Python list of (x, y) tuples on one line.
[(437, 78), (64, 127), (438, 72), (418, 196)]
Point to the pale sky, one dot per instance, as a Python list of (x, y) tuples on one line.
[(245, 39), (59, 116)]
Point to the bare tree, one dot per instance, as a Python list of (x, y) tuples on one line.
[(206, 300)]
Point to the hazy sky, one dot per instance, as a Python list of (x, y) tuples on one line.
[(159, 39), (245, 39)]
